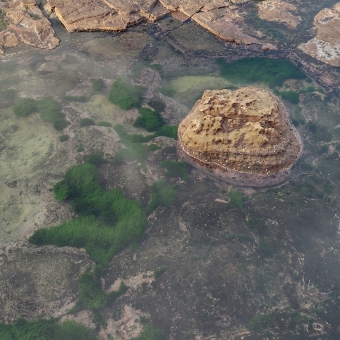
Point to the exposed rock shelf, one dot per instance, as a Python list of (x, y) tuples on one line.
[(220, 17), (279, 11), (325, 46), (243, 136)]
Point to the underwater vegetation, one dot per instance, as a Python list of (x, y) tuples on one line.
[(272, 72), (151, 332), (162, 195), (124, 95), (50, 110), (149, 120), (106, 222)]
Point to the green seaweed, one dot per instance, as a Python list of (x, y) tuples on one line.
[(45, 330), (124, 95), (272, 72)]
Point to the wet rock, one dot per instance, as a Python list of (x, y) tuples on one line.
[(325, 46)]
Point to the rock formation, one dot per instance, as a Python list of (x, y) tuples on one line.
[(105, 15), (48, 67), (26, 24), (325, 46), (217, 16), (243, 136), (279, 11)]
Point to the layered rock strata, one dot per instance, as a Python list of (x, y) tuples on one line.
[(325, 46), (220, 17), (242, 136), (105, 15)]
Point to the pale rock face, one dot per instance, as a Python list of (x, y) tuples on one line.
[(48, 67), (325, 46), (223, 25), (279, 11), (117, 15), (246, 131), (106, 15)]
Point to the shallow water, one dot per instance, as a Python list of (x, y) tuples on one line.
[(300, 217)]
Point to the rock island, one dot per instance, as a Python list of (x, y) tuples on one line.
[(243, 136)]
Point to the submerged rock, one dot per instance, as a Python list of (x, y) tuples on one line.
[(48, 67), (242, 136)]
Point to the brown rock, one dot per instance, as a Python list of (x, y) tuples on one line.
[(279, 11), (188, 7), (28, 3), (242, 136), (107, 15), (326, 44), (8, 39), (268, 47), (222, 24), (27, 25), (216, 16)]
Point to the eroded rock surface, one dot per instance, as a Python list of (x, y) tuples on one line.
[(243, 136), (26, 25), (326, 44)]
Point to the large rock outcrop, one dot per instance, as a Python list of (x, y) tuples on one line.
[(243, 136), (325, 46)]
